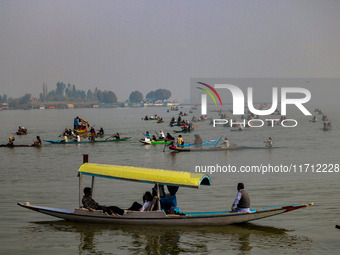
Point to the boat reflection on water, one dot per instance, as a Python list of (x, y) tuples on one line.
[(233, 239)]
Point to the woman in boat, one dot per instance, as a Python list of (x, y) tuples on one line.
[(147, 200), (101, 131), (92, 205), (37, 143), (242, 201), (169, 137), (116, 136), (147, 134), (154, 138)]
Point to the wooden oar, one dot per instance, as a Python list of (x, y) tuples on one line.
[(218, 140)]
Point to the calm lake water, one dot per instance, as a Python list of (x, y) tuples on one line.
[(47, 176)]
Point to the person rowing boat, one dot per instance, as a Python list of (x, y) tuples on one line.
[(77, 139), (269, 142), (11, 140), (101, 131), (37, 143), (226, 142), (180, 140)]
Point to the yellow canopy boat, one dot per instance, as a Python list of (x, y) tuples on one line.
[(151, 217)]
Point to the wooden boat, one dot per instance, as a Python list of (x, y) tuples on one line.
[(207, 143), (158, 139), (231, 148), (19, 145), (158, 217), (85, 135), (84, 127), (21, 133), (154, 142), (81, 131), (183, 131), (177, 124), (95, 141)]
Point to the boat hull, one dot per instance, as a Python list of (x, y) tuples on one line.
[(160, 218), (96, 141), (154, 142), (232, 148), (183, 131), (18, 145)]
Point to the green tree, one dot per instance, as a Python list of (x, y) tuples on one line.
[(136, 97), (151, 96), (13, 103), (60, 91), (25, 100), (109, 97), (162, 94), (90, 95)]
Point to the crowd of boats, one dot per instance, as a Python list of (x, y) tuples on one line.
[(327, 125), (158, 210)]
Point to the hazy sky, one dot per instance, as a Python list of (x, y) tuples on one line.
[(128, 45)]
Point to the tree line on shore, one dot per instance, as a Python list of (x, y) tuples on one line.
[(69, 93)]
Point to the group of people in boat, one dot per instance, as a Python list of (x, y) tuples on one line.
[(155, 117), (326, 126), (22, 131), (168, 201), (161, 136)]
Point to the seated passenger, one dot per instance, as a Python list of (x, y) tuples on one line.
[(37, 142), (147, 201), (180, 140), (242, 201), (92, 205)]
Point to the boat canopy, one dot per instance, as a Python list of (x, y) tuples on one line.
[(148, 175)]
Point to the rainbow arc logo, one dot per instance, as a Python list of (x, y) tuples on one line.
[(209, 93)]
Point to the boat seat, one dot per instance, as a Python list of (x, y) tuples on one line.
[(154, 201)]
